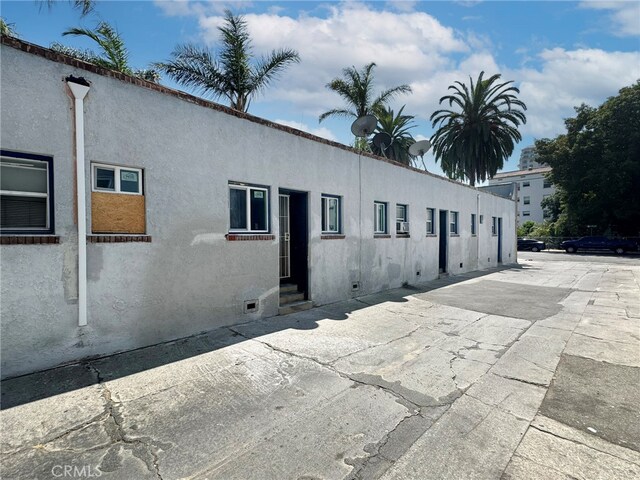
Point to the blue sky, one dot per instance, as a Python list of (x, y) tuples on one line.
[(560, 54)]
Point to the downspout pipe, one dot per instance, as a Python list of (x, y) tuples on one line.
[(79, 88)]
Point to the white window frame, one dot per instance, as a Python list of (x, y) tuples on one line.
[(116, 177), (494, 226), (526, 200), (454, 223), (526, 184), (526, 213), (248, 189), (402, 218), (20, 159), (326, 201), (431, 221), (377, 208), (546, 183), (473, 224)]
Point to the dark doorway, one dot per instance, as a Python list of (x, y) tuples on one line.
[(499, 239), (294, 239), (442, 249)]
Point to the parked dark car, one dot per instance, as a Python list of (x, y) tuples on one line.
[(530, 244), (599, 243)]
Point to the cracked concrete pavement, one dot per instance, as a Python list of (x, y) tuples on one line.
[(530, 372)]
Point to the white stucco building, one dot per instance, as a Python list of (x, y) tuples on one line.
[(134, 214), (532, 187)]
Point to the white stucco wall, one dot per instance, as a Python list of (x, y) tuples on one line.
[(190, 278)]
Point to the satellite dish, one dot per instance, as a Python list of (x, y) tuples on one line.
[(418, 149), (382, 140), (364, 126)]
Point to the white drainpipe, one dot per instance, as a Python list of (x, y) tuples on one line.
[(79, 92)]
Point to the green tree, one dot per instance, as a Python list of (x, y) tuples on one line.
[(356, 89), (7, 29), (234, 73), (397, 127), (524, 230), (475, 139), (596, 166), (114, 54)]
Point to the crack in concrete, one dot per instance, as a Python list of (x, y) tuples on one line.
[(534, 363), (403, 400), (548, 432), (602, 339), (117, 433), (528, 382)]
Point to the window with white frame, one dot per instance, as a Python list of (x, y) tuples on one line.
[(494, 225), (116, 179), (26, 190), (526, 213), (526, 184), (473, 224), (331, 214), (248, 208), (402, 219), (453, 223), (431, 221), (380, 217), (526, 200), (546, 184)]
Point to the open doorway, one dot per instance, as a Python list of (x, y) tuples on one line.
[(294, 246), (443, 234)]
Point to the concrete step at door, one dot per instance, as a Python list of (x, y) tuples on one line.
[(295, 307), (290, 297), (288, 288)]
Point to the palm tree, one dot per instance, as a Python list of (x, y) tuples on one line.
[(475, 141), (115, 55), (234, 73), (356, 88), (397, 127), (85, 6), (7, 29)]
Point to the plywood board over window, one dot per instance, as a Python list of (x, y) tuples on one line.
[(117, 200), (117, 213)]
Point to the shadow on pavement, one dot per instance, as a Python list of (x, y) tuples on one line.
[(58, 380)]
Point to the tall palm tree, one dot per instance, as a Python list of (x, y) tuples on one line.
[(356, 88), (474, 140), (397, 127), (115, 55), (85, 6), (234, 73)]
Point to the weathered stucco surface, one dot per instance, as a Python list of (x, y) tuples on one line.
[(190, 278)]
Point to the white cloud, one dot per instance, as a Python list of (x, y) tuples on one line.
[(319, 131), (624, 16), (416, 48), (568, 78)]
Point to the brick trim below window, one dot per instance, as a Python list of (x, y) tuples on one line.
[(381, 235), (403, 235), (29, 239), (118, 238), (332, 236), (232, 237)]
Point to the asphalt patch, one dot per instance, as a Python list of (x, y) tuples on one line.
[(516, 300), (589, 395)]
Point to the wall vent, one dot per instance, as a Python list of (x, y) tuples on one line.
[(251, 306), (355, 286), (418, 273)]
